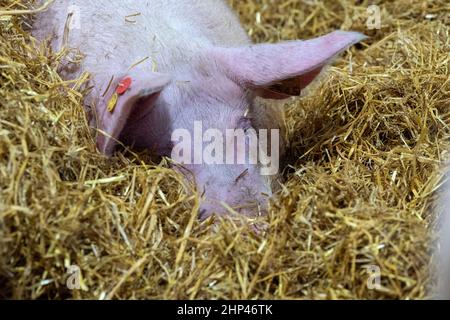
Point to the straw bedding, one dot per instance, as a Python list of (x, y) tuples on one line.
[(359, 191)]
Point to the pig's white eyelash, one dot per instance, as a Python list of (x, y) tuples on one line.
[(245, 123)]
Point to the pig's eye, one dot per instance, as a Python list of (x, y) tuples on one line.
[(245, 123)]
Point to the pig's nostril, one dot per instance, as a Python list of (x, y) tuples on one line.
[(202, 213)]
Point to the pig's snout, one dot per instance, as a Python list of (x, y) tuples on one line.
[(232, 189), (250, 208)]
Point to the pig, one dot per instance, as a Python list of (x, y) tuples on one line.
[(181, 62)]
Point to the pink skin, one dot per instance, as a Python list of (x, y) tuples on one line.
[(207, 71)]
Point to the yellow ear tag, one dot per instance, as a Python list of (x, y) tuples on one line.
[(113, 102)]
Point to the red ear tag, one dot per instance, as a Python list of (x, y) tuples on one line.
[(124, 85)]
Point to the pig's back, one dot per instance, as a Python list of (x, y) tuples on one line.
[(443, 249), (128, 31)]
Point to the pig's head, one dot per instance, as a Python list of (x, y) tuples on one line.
[(206, 96)]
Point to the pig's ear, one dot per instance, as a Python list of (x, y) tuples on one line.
[(277, 71), (126, 99)]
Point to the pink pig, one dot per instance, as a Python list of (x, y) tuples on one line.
[(189, 61)]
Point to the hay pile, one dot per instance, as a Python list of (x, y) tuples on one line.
[(364, 169)]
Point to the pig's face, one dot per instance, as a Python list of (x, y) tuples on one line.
[(207, 100), (213, 137)]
